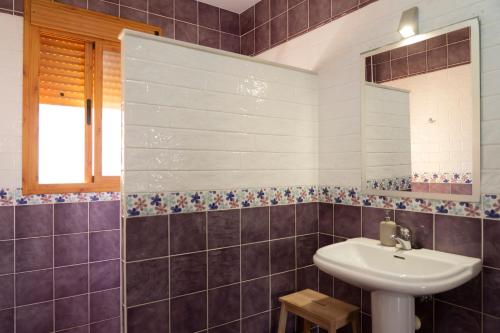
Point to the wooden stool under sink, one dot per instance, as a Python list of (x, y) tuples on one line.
[(326, 312)]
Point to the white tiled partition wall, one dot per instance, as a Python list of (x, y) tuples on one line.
[(198, 119), (334, 52)]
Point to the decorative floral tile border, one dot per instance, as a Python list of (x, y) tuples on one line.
[(453, 178), (145, 204), (489, 207), (14, 197), (392, 184)]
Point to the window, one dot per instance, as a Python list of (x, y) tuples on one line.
[(72, 97)]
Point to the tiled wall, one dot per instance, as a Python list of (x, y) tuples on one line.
[(472, 308), (218, 271), (338, 64), (60, 268), (187, 20), (440, 52), (272, 22), (197, 120)]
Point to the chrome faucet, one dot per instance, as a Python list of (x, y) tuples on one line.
[(402, 237)]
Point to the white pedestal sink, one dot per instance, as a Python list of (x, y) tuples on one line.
[(395, 277)]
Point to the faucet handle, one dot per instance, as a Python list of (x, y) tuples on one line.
[(403, 232)]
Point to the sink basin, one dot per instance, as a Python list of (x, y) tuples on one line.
[(367, 264), (395, 276)]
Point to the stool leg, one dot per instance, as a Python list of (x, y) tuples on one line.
[(333, 328), (356, 327), (307, 326), (283, 315)]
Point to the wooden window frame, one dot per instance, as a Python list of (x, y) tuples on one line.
[(97, 30)]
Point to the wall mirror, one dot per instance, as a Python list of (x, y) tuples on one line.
[(421, 116)]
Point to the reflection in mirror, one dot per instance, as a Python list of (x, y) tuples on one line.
[(418, 121)]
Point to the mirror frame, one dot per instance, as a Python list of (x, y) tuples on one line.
[(476, 116)]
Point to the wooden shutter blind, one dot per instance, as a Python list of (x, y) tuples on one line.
[(111, 83), (61, 71)]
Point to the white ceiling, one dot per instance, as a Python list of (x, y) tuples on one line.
[(236, 6)]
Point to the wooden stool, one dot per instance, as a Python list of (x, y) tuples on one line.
[(326, 312)]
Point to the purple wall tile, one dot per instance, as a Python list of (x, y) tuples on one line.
[(189, 313), (71, 280), (298, 19), (279, 26), (399, 68), (223, 267), (282, 255), (147, 281), (325, 217), (382, 72), (347, 221), (459, 53), (137, 4), (437, 58), (307, 218), (281, 285), (6, 223), (104, 215), (491, 244), (381, 57), (459, 35), (255, 296), (34, 220), (186, 10), (188, 232), (148, 318), (6, 291), (104, 305), (229, 298), (166, 24), (435, 42), (254, 260), (247, 20), (417, 63), (186, 32), (340, 7), (307, 278), (491, 324), (33, 253), (467, 295), (233, 327), (161, 7), (223, 228), (188, 273), (208, 16), (107, 326), (262, 38), (440, 188), (491, 291), (75, 3), (278, 7), (230, 43), (371, 221), (71, 312), (35, 318), (254, 224), (71, 218), (7, 321), (262, 12), (104, 275), (282, 219), (451, 318), (71, 249), (464, 189), (346, 292), (104, 245), (103, 7), (6, 257), (154, 229), (420, 225), (319, 12), (258, 323), (306, 248), (133, 14), (459, 235), (229, 22), (248, 43), (34, 287), (400, 52), (209, 38)]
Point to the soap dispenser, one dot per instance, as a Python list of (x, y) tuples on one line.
[(387, 229)]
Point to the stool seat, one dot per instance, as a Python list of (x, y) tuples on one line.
[(326, 312)]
